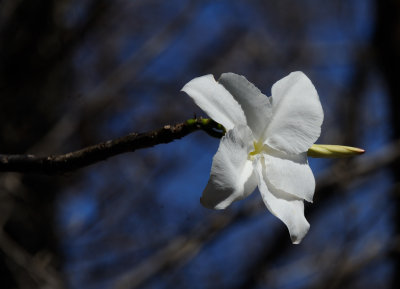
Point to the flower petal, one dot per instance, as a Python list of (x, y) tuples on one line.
[(291, 174), (297, 114), (232, 176), (288, 208), (216, 101), (256, 106)]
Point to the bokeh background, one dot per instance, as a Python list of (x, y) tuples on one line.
[(74, 73)]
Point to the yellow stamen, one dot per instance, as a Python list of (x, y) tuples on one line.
[(257, 148)]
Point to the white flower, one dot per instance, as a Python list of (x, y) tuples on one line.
[(265, 145)]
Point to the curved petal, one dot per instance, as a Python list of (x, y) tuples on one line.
[(216, 101), (297, 114), (232, 176), (288, 208), (291, 174), (256, 106)]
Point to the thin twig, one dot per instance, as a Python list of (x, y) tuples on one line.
[(87, 156)]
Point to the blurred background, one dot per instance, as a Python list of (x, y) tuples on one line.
[(74, 73)]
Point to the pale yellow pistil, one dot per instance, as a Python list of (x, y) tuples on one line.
[(258, 147)]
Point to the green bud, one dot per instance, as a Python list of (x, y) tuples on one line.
[(205, 121), (333, 151), (191, 121)]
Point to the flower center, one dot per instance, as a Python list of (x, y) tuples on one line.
[(258, 147)]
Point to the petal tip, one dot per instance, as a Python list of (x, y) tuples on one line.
[(297, 238), (295, 241), (198, 80)]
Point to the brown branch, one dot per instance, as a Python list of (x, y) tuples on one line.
[(87, 156)]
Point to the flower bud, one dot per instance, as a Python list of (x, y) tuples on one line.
[(333, 151)]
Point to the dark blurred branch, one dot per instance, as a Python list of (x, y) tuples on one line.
[(348, 267), (387, 50), (178, 251), (102, 151), (38, 268)]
